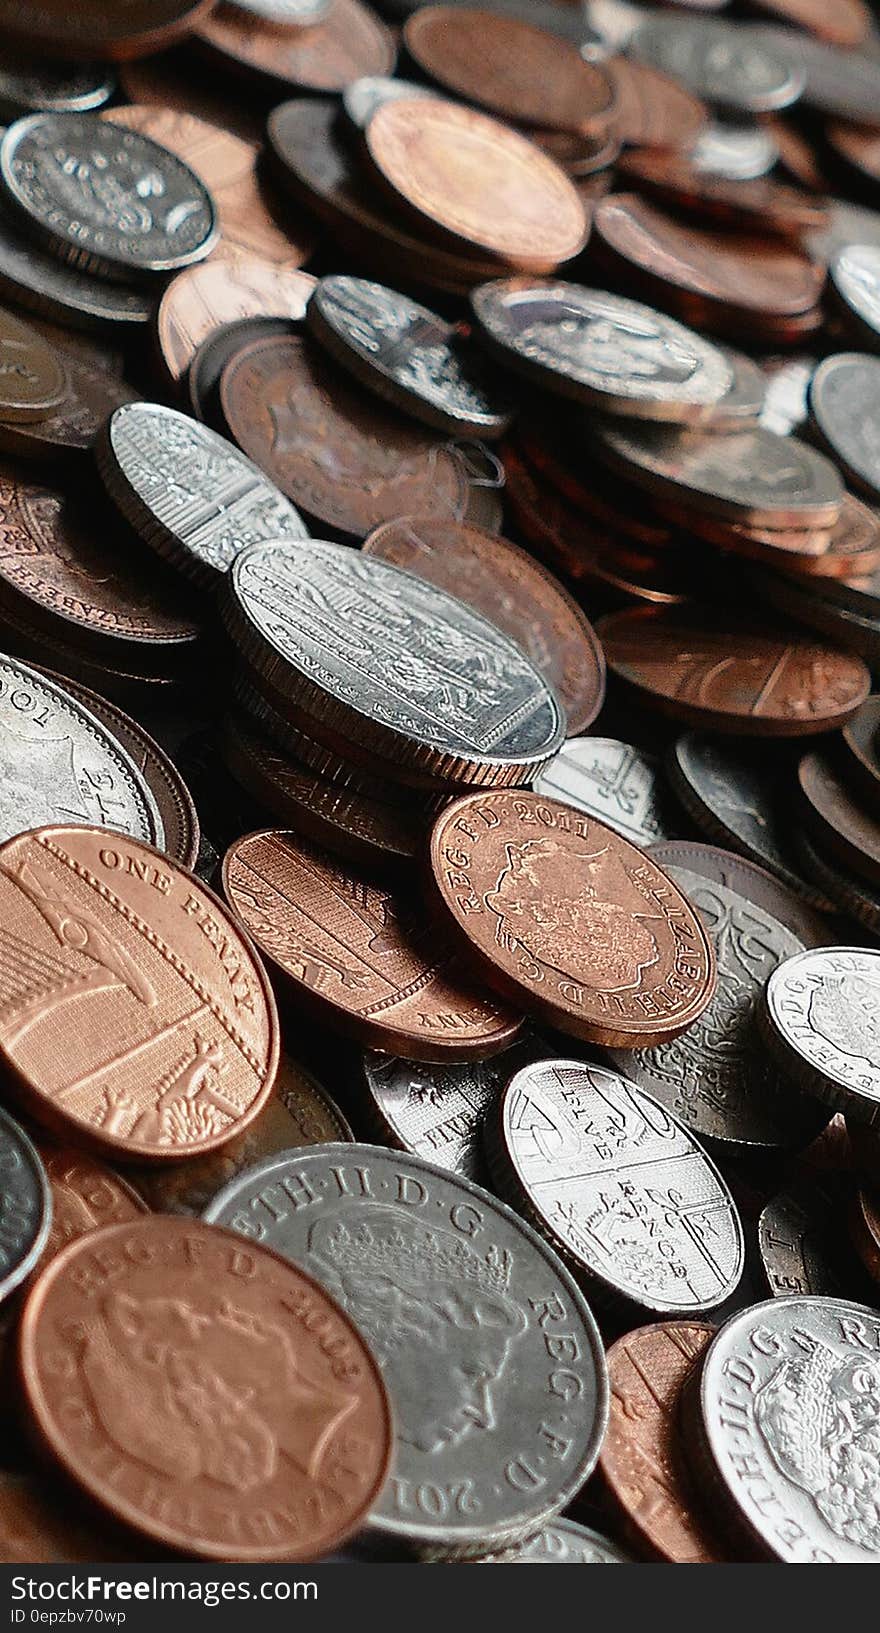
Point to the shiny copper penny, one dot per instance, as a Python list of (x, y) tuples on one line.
[(651, 109), (136, 1017), (759, 205), (32, 377), (641, 1460), (297, 1113), (93, 29), (840, 826), (358, 955), (211, 1392), (749, 276), (350, 43), (204, 298), (521, 73), (228, 167), (85, 1196), (478, 182), (328, 444), (61, 572), (568, 920), (693, 665), (513, 591)]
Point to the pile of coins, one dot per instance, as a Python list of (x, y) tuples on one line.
[(439, 1028)]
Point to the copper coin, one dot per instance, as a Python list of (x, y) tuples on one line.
[(641, 1459), (298, 1112), (65, 574), (85, 1196), (846, 23), (334, 450), (347, 822), (358, 955), (851, 546), (38, 1526), (92, 29), (652, 109), (513, 591), (203, 299), (749, 276), (177, 810), (580, 156), (865, 1229), (607, 498), (748, 880), (861, 740), (752, 476), (154, 1315), (32, 377), (760, 205), (138, 1020), (570, 921), (228, 167), (478, 182), (696, 667), (351, 42), (521, 73), (840, 826), (92, 393)]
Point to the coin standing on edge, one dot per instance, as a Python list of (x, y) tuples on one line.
[(493, 1362), (821, 1019), (25, 1206), (143, 1314)]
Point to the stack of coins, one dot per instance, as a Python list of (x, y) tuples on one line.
[(439, 494)]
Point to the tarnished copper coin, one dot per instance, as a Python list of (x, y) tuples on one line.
[(350, 42), (138, 1020), (651, 109), (206, 297), (228, 167), (337, 453), (69, 429), (839, 825), (846, 23), (85, 1196), (33, 381), (40, 1526), (513, 591), (93, 29), (211, 1391), (298, 1112), (641, 1459), (695, 666), (569, 920), (759, 205), (478, 181), (861, 740), (521, 73), (358, 954), (65, 574)]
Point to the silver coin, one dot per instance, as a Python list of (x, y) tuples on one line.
[(407, 355), (821, 1018), (728, 64), (735, 152), (362, 97), (104, 198), (440, 1112), (847, 224), (785, 407), (609, 780), (25, 1206), (59, 764), (492, 1359), (835, 80), (802, 1238), (790, 1404), (620, 1187), (845, 404), (613, 353), (190, 494), (33, 278), (286, 13), (57, 87), (376, 654), (561, 1543), (717, 1077), (855, 278)]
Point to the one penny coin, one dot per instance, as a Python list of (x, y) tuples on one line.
[(33, 381), (357, 954), (141, 1310), (568, 920), (350, 42), (337, 453), (696, 667), (838, 823), (205, 298), (641, 1461), (138, 1019), (93, 29), (86, 1195), (519, 72), (478, 181), (512, 590), (621, 1188)]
